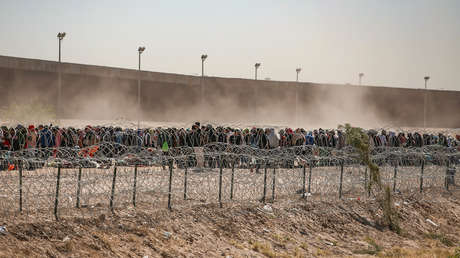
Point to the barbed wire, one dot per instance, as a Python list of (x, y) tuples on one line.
[(108, 153), (69, 181)]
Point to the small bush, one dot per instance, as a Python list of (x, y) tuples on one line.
[(358, 138)]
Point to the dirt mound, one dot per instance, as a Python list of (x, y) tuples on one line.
[(302, 228)]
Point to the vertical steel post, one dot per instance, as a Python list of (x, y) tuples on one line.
[(341, 180), (220, 182), (135, 185), (20, 188), (78, 187), (56, 199), (59, 100), (265, 183), (170, 183), (421, 176), (232, 180), (274, 183), (309, 178), (185, 182), (424, 104), (304, 182), (113, 187)]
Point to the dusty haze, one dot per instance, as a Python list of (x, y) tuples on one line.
[(104, 93)]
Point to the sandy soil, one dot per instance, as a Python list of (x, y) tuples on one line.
[(289, 228)]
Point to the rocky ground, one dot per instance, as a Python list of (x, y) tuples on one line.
[(286, 228)]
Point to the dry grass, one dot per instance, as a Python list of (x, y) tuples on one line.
[(263, 248), (298, 229), (323, 252), (237, 244), (413, 253), (441, 237)]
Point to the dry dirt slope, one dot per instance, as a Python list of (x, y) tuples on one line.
[(293, 228)]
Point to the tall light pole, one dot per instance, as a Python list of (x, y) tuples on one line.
[(426, 78), (297, 95), (60, 37), (361, 75), (257, 65), (203, 58), (140, 50)]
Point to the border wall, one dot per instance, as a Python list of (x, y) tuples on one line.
[(96, 92)]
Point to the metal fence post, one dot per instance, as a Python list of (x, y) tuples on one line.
[(185, 182), (170, 183), (304, 182), (274, 182), (78, 187), (394, 178), (113, 187), (232, 180), (135, 185), (20, 188), (220, 181), (56, 199), (341, 180), (421, 176), (309, 179), (265, 183)]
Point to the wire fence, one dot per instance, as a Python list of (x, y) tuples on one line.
[(68, 182)]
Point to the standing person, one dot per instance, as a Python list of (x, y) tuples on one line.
[(341, 139), (384, 138), (310, 140), (147, 138), (21, 135), (165, 150), (221, 137), (236, 138), (283, 138), (410, 140), (57, 137), (262, 139), (273, 141), (31, 141), (6, 139), (297, 138), (140, 137), (14, 146), (246, 136), (401, 140), (316, 137)]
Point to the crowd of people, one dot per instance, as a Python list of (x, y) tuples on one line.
[(49, 136)]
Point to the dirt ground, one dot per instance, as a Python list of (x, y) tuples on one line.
[(287, 228)]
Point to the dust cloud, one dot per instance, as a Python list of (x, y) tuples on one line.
[(232, 102)]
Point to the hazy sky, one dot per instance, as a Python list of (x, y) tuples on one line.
[(394, 42)]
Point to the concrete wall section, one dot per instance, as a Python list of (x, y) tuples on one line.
[(96, 92)]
